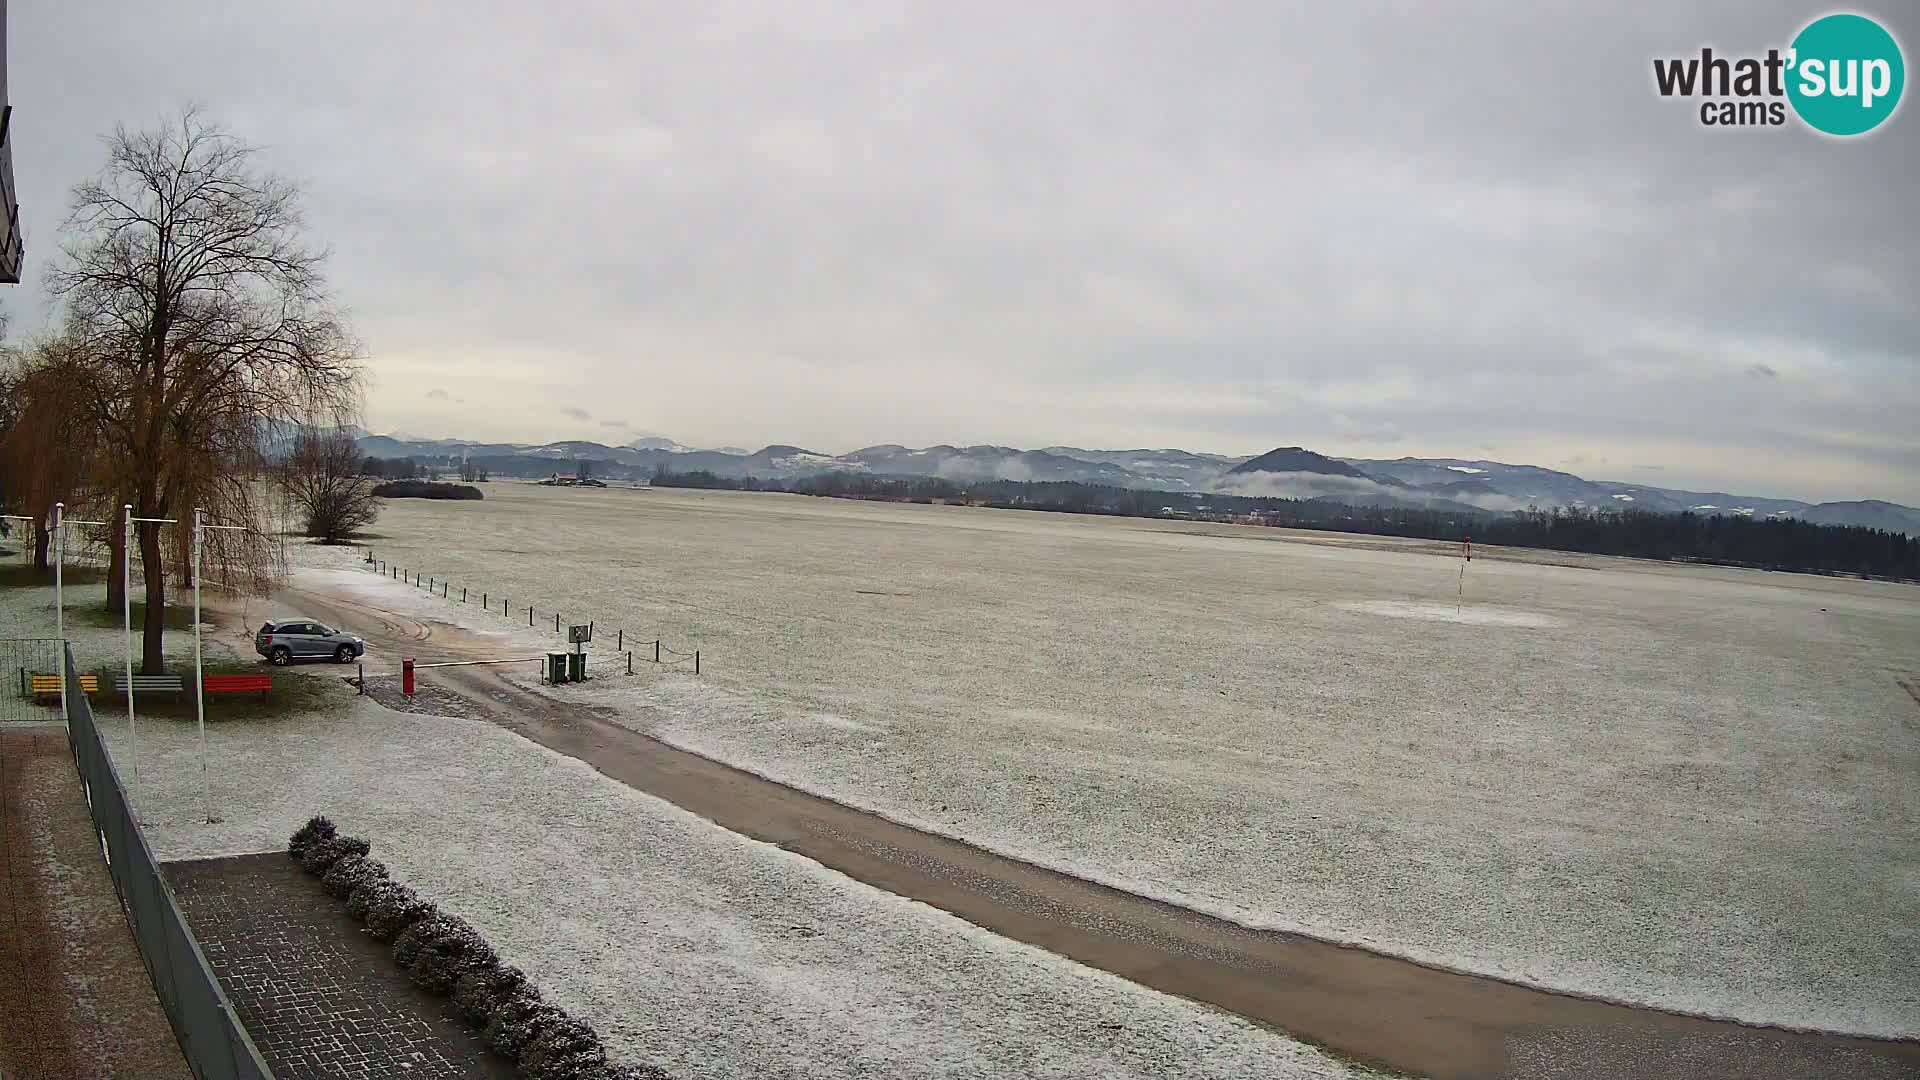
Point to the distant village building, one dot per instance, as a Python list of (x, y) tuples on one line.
[(570, 480)]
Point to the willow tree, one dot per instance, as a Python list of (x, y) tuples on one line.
[(48, 450), (201, 303)]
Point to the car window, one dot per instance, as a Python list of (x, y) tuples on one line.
[(322, 630), (297, 628)]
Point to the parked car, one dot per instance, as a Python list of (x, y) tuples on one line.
[(288, 640)]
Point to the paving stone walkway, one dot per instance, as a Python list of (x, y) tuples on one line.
[(320, 998), (75, 997)]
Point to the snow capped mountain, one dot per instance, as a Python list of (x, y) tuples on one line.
[(1288, 472)]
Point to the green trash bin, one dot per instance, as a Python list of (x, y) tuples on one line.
[(556, 667), (576, 667)]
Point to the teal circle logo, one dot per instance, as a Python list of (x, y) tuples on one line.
[(1845, 75)]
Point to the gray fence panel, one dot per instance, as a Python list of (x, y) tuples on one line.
[(214, 1041)]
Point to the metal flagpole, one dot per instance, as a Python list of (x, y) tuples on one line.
[(126, 617), (126, 627), (60, 523), (199, 676), (199, 688), (60, 600)]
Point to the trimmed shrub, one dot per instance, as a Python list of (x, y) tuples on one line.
[(516, 1020), (362, 898), (446, 955), (439, 949), (441, 965), (322, 854), (391, 912), (479, 992), (563, 1047), (316, 828), (349, 872)]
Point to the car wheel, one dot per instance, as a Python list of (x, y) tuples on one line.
[(281, 656), (343, 654)]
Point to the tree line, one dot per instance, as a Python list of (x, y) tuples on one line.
[(1768, 543), (407, 468), (195, 330)]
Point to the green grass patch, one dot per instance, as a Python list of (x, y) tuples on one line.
[(178, 617), (305, 689), (21, 575)]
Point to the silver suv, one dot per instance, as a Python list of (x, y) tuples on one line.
[(291, 639)]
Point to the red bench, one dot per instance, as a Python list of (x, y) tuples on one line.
[(237, 684)]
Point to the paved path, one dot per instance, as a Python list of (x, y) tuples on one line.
[(322, 1000), (1376, 1009), (75, 998)]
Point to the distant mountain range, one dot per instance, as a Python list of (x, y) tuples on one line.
[(1291, 472)]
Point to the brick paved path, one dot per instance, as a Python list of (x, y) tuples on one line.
[(320, 998), (75, 997)]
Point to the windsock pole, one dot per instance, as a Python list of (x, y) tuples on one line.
[(1466, 549)]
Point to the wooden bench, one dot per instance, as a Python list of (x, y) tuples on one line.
[(150, 684), (49, 685), (237, 684)]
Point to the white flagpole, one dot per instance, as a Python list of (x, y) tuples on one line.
[(60, 598), (126, 626), (199, 678), (127, 621)]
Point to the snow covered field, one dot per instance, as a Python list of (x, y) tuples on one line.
[(1684, 786), (684, 944)]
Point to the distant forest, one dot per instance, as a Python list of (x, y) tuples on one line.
[(425, 489), (1770, 543)]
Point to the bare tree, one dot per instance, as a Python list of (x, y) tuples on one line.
[(189, 279), (48, 451), (322, 479)]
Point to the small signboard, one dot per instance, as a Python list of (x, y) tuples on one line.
[(580, 635)]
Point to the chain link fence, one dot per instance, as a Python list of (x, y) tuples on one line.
[(20, 660), (215, 1043)]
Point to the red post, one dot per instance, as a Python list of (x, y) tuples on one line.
[(406, 676)]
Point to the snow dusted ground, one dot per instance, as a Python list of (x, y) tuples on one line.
[(685, 944), (26, 611), (1689, 787)]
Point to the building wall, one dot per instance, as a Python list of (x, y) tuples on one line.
[(12, 249)]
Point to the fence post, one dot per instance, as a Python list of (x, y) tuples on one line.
[(556, 622), (463, 594), (656, 650), (696, 661), (529, 615), (619, 640), (629, 663)]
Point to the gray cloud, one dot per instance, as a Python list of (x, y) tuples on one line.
[(576, 412), (440, 394), (614, 424), (1439, 227)]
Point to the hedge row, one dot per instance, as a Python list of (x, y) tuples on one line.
[(446, 955)]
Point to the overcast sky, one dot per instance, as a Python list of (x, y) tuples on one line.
[(1385, 229)]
